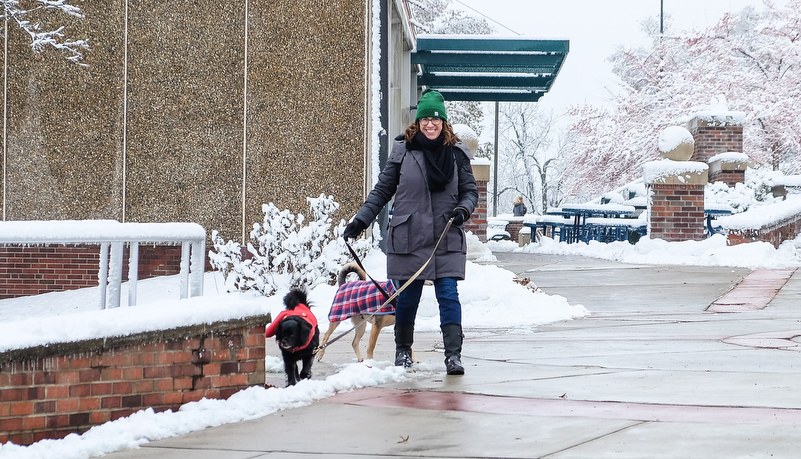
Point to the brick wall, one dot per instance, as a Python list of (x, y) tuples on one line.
[(478, 220), (775, 236), (713, 140), (730, 177), (677, 212), (33, 270), (52, 391), (513, 228)]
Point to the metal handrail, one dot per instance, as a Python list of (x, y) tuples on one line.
[(111, 236)]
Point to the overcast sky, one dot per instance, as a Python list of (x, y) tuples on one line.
[(595, 28)]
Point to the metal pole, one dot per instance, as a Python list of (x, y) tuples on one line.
[(495, 168), (661, 17)]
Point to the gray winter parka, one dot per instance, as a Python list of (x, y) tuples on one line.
[(419, 216)]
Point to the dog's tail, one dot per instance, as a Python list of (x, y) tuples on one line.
[(295, 297), (350, 268)]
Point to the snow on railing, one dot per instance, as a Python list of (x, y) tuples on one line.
[(113, 235)]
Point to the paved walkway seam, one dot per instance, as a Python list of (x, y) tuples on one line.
[(754, 292)]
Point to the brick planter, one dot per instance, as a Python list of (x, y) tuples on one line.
[(52, 391)]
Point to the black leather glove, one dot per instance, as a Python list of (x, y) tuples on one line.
[(354, 229), (459, 215)]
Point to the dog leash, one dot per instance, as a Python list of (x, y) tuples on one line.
[(394, 295)]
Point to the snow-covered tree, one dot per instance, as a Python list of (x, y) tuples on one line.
[(26, 16), (530, 156), (437, 17), (751, 60)]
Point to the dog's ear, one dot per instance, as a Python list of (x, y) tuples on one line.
[(305, 330), (295, 297)]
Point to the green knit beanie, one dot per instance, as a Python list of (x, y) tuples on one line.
[(431, 104)]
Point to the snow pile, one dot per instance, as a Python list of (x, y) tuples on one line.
[(656, 171), (729, 157), (766, 216), (710, 252), (254, 402)]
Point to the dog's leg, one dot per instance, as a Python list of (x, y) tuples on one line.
[(306, 372), (378, 324), (290, 368), (361, 324), (331, 327)]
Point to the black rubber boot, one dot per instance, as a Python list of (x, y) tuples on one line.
[(404, 337), (452, 338)]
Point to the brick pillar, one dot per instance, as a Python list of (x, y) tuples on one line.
[(478, 221), (714, 135), (728, 167), (514, 227), (676, 199)]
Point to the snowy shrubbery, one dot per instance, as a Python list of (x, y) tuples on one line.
[(285, 251), (755, 191)]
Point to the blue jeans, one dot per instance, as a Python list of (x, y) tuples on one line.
[(450, 310)]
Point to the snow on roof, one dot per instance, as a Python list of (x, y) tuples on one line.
[(78, 231), (763, 217), (653, 171)]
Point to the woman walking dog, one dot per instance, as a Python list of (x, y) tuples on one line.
[(429, 174)]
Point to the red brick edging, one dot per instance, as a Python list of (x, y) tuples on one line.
[(54, 390)]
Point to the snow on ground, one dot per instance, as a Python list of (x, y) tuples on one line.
[(55, 316), (709, 252)]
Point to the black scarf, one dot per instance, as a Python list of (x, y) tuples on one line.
[(439, 160)]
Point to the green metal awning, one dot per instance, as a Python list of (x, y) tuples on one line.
[(483, 68)]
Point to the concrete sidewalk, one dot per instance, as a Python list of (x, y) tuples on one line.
[(649, 374)]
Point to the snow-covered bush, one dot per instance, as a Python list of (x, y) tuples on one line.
[(286, 252), (755, 191)]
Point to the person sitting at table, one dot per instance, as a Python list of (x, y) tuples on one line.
[(520, 208)]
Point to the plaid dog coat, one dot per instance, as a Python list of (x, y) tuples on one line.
[(360, 297)]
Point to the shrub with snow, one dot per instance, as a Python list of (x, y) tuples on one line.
[(755, 191), (286, 252)]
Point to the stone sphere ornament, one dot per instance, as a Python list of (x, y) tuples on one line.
[(467, 135), (676, 143)]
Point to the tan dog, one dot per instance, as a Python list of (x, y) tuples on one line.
[(358, 310)]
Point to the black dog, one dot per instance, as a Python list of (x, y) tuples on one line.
[(297, 334)]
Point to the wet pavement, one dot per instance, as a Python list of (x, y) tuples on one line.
[(653, 372)]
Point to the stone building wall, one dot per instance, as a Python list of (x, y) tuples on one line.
[(189, 111)]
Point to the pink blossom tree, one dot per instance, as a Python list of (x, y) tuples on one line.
[(750, 60)]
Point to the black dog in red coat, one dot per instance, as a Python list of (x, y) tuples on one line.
[(295, 330)]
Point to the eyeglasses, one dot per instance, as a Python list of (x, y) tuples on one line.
[(431, 120)]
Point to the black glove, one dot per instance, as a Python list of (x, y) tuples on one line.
[(459, 215), (354, 229)]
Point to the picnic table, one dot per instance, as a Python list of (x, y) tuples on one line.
[(580, 213), (585, 222), (556, 227)]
